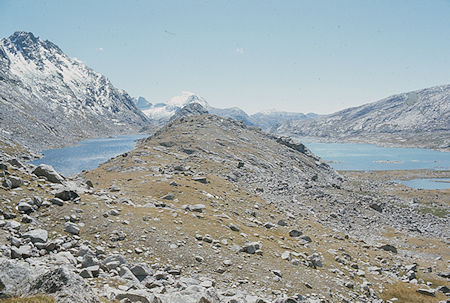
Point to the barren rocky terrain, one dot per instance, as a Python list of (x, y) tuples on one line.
[(414, 119), (211, 210)]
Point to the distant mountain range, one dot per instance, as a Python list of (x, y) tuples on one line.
[(48, 99), (162, 112), (418, 118)]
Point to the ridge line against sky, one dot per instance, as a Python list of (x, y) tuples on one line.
[(299, 56)]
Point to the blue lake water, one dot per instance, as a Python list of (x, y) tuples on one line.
[(87, 154), (358, 156), (426, 183)]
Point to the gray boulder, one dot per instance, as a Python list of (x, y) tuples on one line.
[(15, 181), (295, 233), (64, 285), (426, 292), (196, 207), (49, 173), (57, 201), (66, 195), (89, 260), (137, 296), (14, 278), (251, 248), (388, 247), (6, 183), (24, 207), (36, 235), (71, 228), (141, 271), (23, 251), (16, 163)]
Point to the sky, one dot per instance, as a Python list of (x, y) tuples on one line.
[(299, 56)]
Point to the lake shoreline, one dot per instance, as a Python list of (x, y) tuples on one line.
[(376, 142), (87, 154)]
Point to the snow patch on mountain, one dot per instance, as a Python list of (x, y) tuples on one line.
[(49, 99)]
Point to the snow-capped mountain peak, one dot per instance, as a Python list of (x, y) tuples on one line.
[(161, 112), (185, 98)]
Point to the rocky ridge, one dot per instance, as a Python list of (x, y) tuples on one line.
[(420, 119), (211, 210)]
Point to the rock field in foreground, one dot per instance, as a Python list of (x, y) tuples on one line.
[(209, 210)]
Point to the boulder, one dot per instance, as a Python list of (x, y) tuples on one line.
[(315, 260), (66, 195), (443, 289), (196, 207), (141, 271), (15, 181), (233, 227), (6, 183), (282, 222), (426, 292), (14, 278), (49, 173), (388, 247), (376, 206), (24, 207), (295, 233), (64, 285), (71, 228), (89, 260), (23, 251), (251, 247), (114, 261), (137, 296), (200, 179), (36, 235), (57, 201), (306, 238), (16, 163), (169, 196), (12, 224)]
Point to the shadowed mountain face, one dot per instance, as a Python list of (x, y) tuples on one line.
[(420, 118), (48, 99)]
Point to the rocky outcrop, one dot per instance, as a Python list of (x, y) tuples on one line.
[(191, 109)]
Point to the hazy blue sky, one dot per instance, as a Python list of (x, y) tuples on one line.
[(306, 56)]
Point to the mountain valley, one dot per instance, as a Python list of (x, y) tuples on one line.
[(214, 205)]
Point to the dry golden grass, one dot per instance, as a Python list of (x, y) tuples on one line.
[(406, 293), (34, 299)]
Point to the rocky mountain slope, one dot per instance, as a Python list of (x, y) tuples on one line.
[(210, 210), (418, 118), (48, 99), (160, 113)]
